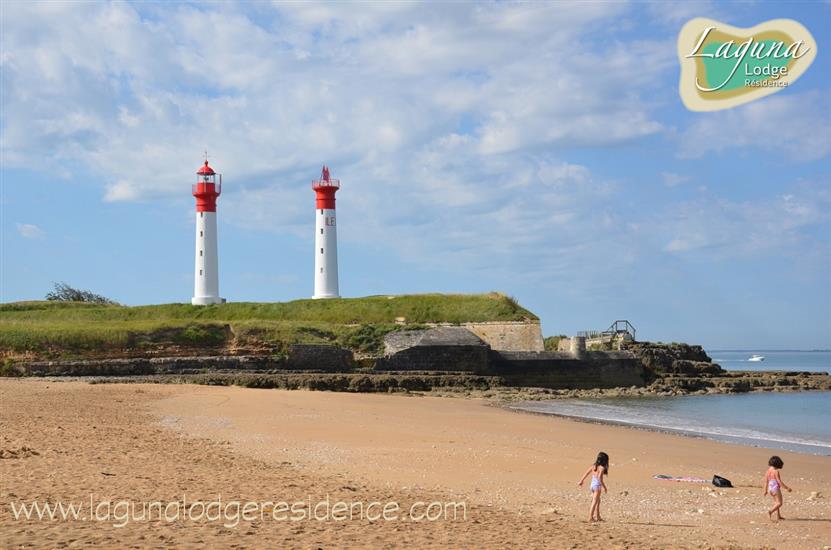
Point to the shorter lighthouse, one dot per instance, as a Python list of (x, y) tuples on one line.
[(206, 272), (326, 237)]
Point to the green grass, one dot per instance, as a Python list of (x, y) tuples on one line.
[(416, 308), (62, 329)]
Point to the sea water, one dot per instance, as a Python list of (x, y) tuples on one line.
[(814, 361), (798, 421)]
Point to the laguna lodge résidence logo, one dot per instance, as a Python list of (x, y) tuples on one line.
[(724, 66)]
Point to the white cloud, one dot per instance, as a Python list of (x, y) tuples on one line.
[(121, 191), (447, 127), (728, 229), (442, 124), (676, 14), (138, 96), (30, 231), (671, 179), (796, 127)]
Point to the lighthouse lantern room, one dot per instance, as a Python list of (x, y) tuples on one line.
[(206, 271), (326, 236)]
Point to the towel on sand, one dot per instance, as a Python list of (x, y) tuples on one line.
[(664, 477)]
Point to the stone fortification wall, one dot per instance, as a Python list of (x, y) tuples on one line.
[(509, 335), (565, 371), (444, 348), (437, 358)]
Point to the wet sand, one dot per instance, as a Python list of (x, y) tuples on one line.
[(516, 473)]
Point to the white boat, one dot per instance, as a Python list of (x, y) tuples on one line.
[(756, 358)]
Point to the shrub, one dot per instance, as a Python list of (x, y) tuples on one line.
[(62, 292), (8, 368)]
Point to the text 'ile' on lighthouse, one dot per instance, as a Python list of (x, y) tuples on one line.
[(206, 272), (326, 237)]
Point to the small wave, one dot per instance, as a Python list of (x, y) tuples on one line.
[(645, 418)]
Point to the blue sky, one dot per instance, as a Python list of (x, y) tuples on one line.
[(539, 149)]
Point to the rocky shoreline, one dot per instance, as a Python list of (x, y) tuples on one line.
[(468, 385), (667, 370), (735, 382), (683, 369)]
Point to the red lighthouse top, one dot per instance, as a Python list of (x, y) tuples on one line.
[(325, 189), (206, 189), (206, 170)]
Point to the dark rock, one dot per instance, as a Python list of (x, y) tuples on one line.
[(145, 366), (319, 357), (660, 357)]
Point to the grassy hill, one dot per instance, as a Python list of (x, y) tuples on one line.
[(70, 329)]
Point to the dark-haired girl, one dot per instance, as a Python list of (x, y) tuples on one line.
[(774, 485), (598, 471)]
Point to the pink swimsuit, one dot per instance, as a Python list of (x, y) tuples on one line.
[(773, 485)]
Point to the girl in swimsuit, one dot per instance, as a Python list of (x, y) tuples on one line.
[(774, 485), (598, 471)]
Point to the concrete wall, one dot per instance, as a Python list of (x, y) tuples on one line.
[(533, 369), (564, 371), (505, 335), (615, 341), (401, 340), (437, 358), (509, 335)]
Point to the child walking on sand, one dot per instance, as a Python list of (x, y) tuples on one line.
[(599, 470), (774, 485)]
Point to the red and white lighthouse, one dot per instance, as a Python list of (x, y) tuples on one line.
[(326, 237), (206, 272)]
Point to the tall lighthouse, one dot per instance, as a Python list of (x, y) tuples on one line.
[(326, 237), (206, 272)]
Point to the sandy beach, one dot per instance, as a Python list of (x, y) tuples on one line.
[(515, 473)]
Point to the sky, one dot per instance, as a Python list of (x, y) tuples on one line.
[(537, 149)]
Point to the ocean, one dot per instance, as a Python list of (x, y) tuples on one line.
[(815, 361), (796, 421)]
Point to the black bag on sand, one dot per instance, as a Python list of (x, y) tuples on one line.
[(719, 481)]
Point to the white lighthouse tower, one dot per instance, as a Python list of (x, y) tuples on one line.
[(206, 272), (326, 237)]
